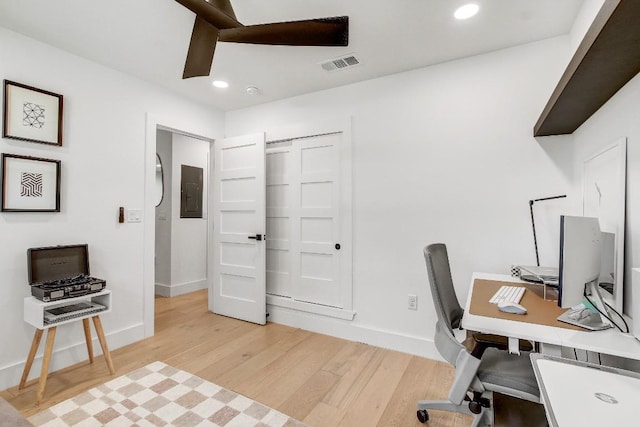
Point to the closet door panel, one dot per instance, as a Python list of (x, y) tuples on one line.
[(317, 225), (278, 181)]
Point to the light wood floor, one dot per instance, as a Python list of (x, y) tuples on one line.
[(317, 379)]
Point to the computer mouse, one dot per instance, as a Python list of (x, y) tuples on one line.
[(511, 307)]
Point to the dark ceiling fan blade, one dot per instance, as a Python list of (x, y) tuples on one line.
[(312, 32), (218, 13), (201, 48), (224, 6)]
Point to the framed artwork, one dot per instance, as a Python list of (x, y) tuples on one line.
[(30, 184), (604, 197), (32, 114)]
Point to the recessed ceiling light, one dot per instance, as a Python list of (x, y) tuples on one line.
[(466, 11), (221, 84), (252, 90)]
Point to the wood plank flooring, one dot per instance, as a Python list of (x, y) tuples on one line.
[(320, 380)]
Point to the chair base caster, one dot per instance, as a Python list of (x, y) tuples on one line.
[(423, 415)]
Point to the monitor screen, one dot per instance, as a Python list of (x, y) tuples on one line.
[(580, 257)]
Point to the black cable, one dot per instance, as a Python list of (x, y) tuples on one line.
[(619, 315), (599, 359), (607, 317), (575, 354), (603, 314)]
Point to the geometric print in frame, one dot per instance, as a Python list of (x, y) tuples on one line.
[(33, 115), (31, 184)]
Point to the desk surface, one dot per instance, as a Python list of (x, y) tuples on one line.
[(581, 394), (540, 311), (609, 341)]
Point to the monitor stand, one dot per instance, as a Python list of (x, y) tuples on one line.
[(586, 318)]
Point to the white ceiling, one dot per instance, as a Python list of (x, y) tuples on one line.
[(149, 39)]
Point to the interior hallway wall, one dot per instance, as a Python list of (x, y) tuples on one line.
[(188, 235), (441, 154)]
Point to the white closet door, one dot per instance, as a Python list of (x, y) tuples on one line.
[(239, 249), (316, 213), (279, 189)]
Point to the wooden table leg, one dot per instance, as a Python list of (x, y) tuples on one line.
[(37, 336), (87, 337), (103, 343), (48, 350)]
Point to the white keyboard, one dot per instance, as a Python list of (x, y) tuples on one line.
[(508, 293)]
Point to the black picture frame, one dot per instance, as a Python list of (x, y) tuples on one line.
[(30, 184), (31, 114)]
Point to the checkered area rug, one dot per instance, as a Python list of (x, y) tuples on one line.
[(160, 395)]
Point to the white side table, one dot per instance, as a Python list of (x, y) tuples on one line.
[(34, 315)]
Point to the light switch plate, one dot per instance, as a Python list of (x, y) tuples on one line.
[(134, 215)]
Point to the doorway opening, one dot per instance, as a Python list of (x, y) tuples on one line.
[(182, 132), (181, 215)]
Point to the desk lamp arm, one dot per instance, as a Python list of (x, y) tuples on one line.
[(533, 223)]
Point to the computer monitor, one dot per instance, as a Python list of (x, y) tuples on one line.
[(579, 272), (580, 258)]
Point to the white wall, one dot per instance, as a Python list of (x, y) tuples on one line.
[(618, 118), (583, 21), (441, 154), (188, 235), (104, 166), (163, 214)]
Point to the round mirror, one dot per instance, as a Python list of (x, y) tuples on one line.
[(159, 181)]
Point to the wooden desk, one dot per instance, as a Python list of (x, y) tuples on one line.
[(540, 311), (34, 315), (540, 324)]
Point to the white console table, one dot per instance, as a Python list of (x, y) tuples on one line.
[(34, 311)]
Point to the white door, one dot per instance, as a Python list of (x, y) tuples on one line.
[(317, 237), (280, 258), (304, 249), (238, 289)]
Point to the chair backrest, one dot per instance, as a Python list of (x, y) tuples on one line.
[(441, 283), (445, 301)]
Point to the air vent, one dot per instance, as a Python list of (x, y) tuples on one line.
[(341, 63)]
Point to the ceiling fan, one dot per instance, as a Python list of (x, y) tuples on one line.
[(216, 21)]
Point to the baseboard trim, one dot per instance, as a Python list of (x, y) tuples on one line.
[(163, 290), (69, 355), (180, 288), (391, 340), (339, 313)]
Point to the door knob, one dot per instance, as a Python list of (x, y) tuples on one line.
[(256, 237)]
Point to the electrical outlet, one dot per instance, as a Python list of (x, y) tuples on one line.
[(413, 302)]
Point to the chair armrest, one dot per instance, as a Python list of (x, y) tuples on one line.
[(466, 368)]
